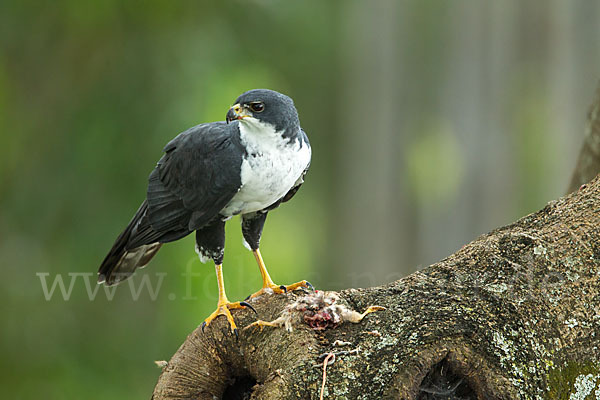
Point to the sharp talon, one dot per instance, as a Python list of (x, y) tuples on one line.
[(243, 303), (311, 287), (271, 288), (247, 298), (203, 326), (237, 335)]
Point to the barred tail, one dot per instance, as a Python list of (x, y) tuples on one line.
[(122, 260)]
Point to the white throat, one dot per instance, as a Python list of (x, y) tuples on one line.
[(253, 128)]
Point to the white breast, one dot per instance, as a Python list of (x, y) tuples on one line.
[(271, 168)]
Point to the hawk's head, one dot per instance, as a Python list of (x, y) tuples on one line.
[(265, 106)]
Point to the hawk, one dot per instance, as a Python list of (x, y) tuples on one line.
[(246, 165)]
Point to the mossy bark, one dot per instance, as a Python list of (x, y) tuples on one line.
[(515, 314)]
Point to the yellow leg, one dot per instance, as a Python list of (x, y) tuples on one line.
[(261, 324), (268, 286), (266, 278), (223, 305), (369, 311)]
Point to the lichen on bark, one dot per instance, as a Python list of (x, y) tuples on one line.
[(510, 314)]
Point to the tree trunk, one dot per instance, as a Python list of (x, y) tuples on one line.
[(515, 314), (588, 163)]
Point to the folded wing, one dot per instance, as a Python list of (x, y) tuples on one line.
[(196, 177)]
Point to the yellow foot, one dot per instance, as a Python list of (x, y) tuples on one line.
[(370, 310), (273, 288), (356, 317), (223, 309), (261, 324)]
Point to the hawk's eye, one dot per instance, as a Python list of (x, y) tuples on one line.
[(257, 107)]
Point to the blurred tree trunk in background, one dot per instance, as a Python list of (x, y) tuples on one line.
[(370, 150), (588, 163), (421, 160)]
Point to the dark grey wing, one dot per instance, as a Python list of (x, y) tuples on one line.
[(192, 182), (296, 187)]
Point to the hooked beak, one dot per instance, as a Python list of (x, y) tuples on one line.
[(237, 112)]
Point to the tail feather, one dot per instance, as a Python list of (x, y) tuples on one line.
[(122, 260)]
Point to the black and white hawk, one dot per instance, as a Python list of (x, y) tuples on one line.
[(246, 165)]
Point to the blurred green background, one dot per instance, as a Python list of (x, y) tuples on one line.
[(431, 122)]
